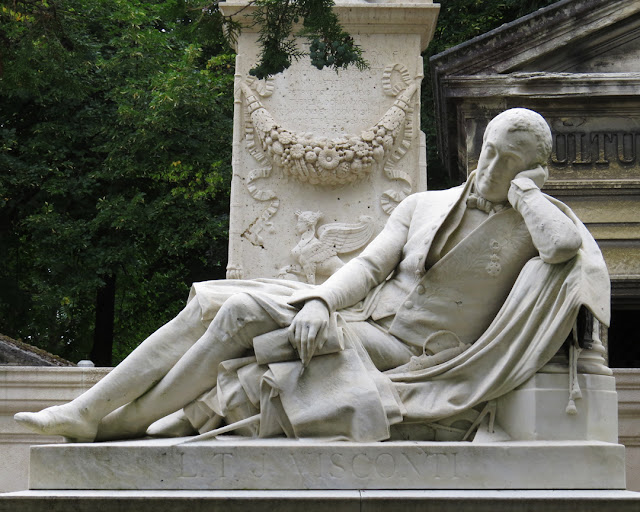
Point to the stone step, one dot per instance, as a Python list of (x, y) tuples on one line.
[(320, 501)]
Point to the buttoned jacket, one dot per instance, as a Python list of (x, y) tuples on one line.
[(461, 292)]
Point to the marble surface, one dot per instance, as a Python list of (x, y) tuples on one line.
[(471, 277), (537, 409), (233, 464), (308, 140)]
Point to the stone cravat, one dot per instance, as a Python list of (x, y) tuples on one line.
[(480, 203)]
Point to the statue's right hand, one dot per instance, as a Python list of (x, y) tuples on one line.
[(308, 330)]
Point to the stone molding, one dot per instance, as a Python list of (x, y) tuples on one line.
[(321, 501), (410, 17), (542, 85), (26, 388), (517, 43)]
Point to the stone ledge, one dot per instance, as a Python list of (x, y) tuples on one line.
[(280, 464), (411, 17), (320, 501)]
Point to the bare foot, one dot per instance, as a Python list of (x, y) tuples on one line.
[(60, 420)]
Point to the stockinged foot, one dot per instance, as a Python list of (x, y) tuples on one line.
[(60, 420)]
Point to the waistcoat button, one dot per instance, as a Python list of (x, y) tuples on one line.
[(420, 289), (408, 304)]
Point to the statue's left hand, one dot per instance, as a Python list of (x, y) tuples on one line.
[(538, 175), (308, 330)]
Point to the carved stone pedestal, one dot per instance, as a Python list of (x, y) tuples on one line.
[(319, 150), (537, 409), (281, 464)]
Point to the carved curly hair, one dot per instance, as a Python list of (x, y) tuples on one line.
[(525, 120)]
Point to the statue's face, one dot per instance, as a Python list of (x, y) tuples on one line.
[(303, 224), (504, 155)]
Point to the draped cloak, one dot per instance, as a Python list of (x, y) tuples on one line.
[(342, 395)]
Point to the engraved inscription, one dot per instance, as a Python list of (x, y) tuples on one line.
[(325, 466), (398, 466), (220, 465), (587, 150)]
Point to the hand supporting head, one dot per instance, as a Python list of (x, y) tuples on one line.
[(516, 142)]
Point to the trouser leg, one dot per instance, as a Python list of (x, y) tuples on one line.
[(386, 351), (146, 365), (229, 335)]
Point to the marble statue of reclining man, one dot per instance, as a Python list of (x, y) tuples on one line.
[(444, 266)]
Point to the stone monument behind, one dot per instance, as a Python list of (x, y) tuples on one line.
[(346, 145)]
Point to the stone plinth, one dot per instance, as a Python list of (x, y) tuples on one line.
[(30, 388), (536, 410), (310, 140), (280, 464), (321, 501)]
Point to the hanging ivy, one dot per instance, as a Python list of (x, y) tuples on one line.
[(329, 44)]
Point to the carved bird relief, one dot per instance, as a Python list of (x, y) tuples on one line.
[(318, 255)]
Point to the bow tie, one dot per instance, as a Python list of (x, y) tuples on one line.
[(480, 203)]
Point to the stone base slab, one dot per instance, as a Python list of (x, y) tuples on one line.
[(537, 409), (280, 464), (320, 501)]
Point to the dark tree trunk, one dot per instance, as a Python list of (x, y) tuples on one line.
[(101, 352)]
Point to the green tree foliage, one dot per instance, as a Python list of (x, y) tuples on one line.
[(115, 149), (460, 21), (330, 46)]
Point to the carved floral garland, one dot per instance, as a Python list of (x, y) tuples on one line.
[(322, 161)]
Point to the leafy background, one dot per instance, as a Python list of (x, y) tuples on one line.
[(115, 156)]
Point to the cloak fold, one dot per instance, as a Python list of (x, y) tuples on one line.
[(342, 395)]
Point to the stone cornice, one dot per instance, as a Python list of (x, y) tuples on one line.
[(35, 387), (542, 85), (416, 17), (514, 44)]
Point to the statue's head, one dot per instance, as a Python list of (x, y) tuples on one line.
[(516, 140), (306, 219)]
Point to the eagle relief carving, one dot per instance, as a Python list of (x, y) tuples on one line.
[(317, 253)]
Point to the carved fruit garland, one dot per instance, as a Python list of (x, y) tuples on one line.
[(339, 161)]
